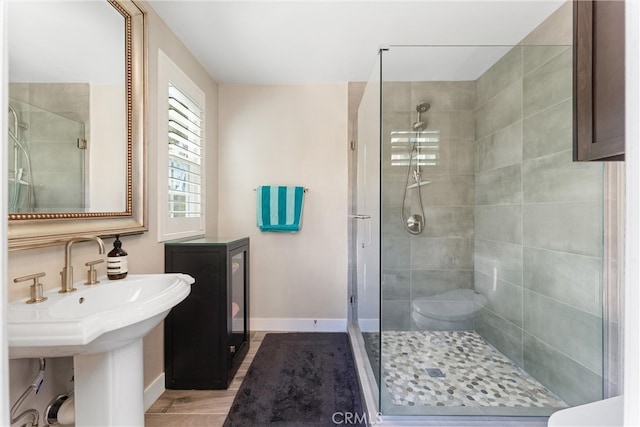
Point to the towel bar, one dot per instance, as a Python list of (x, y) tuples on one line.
[(305, 189)]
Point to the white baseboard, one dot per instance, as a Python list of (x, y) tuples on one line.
[(153, 391), (297, 324)]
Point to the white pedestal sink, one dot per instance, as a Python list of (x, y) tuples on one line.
[(102, 328)]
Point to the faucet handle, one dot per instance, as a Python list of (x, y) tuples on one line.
[(36, 288), (92, 274)]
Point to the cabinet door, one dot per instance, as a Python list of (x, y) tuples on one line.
[(238, 301), (194, 329), (599, 80)]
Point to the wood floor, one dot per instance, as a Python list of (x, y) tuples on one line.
[(200, 407)]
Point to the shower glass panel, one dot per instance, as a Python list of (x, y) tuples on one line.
[(490, 268), (45, 160), (367, 225)]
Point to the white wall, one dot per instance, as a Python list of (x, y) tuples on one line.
[(289, 135)]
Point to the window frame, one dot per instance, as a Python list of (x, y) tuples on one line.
[(177, 228)]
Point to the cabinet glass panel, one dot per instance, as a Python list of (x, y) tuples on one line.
[(238, 324)]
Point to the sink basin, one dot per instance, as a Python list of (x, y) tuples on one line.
[(94, 319), (102, 327)]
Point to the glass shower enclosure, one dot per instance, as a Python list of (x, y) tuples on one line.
[(479, 241), (46, 157)]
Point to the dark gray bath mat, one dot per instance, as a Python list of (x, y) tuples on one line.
[(299, 380)]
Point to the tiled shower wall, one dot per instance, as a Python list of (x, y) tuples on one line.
[(441, 258), (538, 224), (510, 215), (52, 139)]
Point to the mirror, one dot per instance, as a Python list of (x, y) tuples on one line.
[(75, 120)]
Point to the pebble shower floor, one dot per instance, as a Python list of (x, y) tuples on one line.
[(475, 373)]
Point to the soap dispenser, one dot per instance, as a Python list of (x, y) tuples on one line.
[(117, 266)]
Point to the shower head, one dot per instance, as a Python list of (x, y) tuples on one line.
[(423, 107), (419, 126)]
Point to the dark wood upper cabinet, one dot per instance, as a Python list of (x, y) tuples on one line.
[(598, 77)]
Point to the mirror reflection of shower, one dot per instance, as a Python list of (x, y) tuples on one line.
[(21, 191), (421, 146)]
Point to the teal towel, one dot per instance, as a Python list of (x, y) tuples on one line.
[(279, 208)]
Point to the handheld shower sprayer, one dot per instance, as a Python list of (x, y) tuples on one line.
[(414, 224)]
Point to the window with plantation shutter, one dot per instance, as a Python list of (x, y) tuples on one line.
[(185, 156), (181, 155)]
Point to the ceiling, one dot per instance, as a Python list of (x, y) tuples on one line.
[(283, 42)]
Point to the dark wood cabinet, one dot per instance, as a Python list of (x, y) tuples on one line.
[(206, 336), (599, 76)]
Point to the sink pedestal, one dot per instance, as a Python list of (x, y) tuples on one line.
[(102, 329), (109, 387)]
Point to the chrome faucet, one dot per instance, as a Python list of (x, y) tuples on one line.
[(67, 270)]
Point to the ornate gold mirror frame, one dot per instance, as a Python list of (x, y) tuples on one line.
[(33, 230)]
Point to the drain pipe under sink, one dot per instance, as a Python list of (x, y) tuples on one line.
[(61, 410), (35, 386)]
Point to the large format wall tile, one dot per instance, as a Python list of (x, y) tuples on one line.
[(442, 253), (501, 75), (502, 298), (396, 251), (458, 95), (448, 222), (499, 186), (393, 188), (535, 56), (396, 315), (498, 258), (396, 97), (448, 190), (462, 158), (501, 111), (392, 224), (549, 84), (566, 227), (549, 131), (571, 381), (503, 148), (48, 128), (556, 178), (503, 335), (573, 332), (573, 279), (396, 284), (499, 223), (427, 283), (462, 125)]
